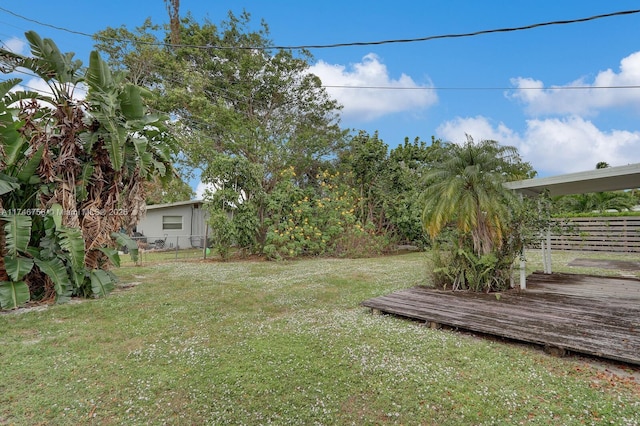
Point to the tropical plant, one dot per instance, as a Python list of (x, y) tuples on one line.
[(597, 202), (259, 108), (72, 174), (465, 197), (160, 191), (318, 221)]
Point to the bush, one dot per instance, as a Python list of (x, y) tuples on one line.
[(462, 269), (318, 221)]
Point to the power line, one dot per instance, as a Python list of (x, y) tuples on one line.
[(349, 44), (452, 88), (481, 88), (461, 35), (55, 27)]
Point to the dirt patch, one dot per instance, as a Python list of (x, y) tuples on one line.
[(622, 265)]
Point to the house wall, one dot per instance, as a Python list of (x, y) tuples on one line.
[(191, 233)]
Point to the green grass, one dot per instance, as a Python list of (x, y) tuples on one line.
[(282, 343)]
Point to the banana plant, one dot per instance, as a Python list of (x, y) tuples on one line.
[(71, 173)]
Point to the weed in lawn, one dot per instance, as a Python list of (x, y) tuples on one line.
[(280, 343)]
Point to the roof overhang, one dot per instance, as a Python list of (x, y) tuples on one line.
[(176, 204), (598, 180)]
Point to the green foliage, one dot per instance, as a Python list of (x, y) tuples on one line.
[(484, 227), (162, 191), (17, 233), (243, 114), (388, 185), (595, 202), (221, 233), (457, 266), (124, 240), (102, 282), (57, 272), (17, 267), (318, 221), (13, 294), (235, 203), (71, 174)]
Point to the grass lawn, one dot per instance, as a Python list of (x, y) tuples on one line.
[(284, 343)]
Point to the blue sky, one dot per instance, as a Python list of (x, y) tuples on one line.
[(450, 87)]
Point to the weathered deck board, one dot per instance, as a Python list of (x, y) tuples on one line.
[(591, 315)]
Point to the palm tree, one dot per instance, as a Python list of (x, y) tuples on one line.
[(596, 202), (466, 189)]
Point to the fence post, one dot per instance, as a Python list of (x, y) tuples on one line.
[(206, 240), (547, 262), (523, 272)]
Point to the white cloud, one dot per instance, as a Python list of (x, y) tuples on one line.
[(480, 128), (553, 146), (202, 187), (369, 104), (15, 45), (574, 144), (38, 85), (566, 100)]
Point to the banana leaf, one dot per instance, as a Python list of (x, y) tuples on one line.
[(72, 242), (112, 255), (7, 85), (7, 184), (125, 240), (131, 103), (17, 267), (57, 272), (13, 144), (101, 283), (13, 294), (55, 212), (17, 230), (28, 170)]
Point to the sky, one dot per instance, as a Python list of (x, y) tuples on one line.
[(534, 89)]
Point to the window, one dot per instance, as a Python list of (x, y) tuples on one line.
[(171, 222)]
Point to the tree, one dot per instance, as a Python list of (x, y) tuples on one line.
[(365, 156), (407, 165), (161, 191), (466, 191), (173, 7), (72, 174), (239, 100)]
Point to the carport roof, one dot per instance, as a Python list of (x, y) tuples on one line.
[(598, 180)]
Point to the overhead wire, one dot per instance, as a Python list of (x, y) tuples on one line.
[(336, 45), (230, 97), (222, 91), (319, 46)]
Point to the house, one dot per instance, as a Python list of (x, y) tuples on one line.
[(174, 225)]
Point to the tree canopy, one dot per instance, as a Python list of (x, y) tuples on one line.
[(258, 109)]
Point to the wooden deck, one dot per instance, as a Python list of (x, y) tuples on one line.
[(579, 313)]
